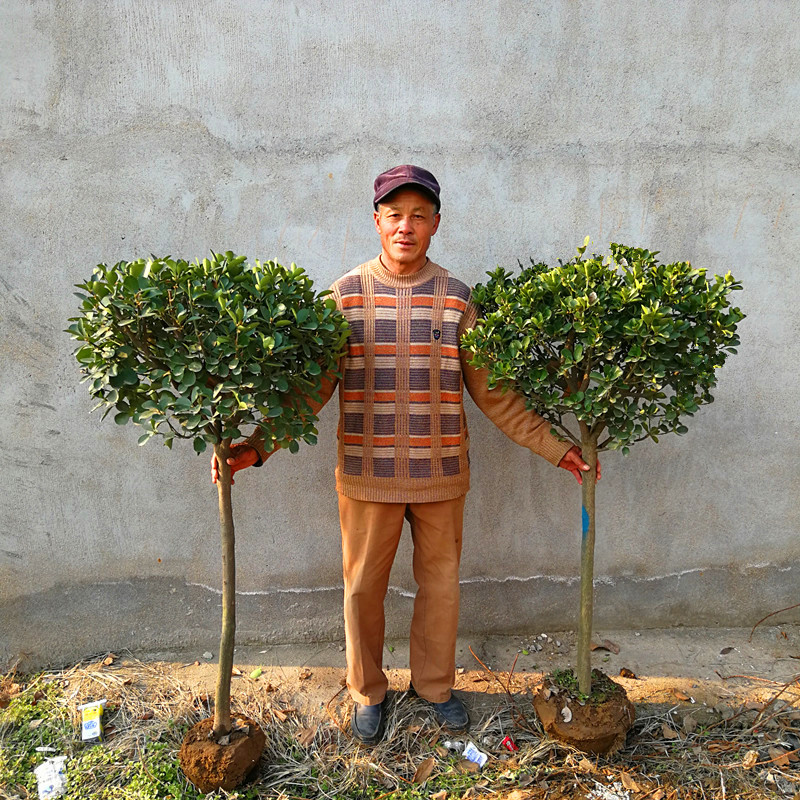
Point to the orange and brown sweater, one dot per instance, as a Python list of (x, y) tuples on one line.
[(402, 429)]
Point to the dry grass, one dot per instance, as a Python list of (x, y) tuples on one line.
[(313, 755)]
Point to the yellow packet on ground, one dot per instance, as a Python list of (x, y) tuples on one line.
[(92, 721)]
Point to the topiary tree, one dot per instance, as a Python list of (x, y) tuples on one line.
[(610, 351), (200, 350)]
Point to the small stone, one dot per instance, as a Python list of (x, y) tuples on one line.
[(705, 716), (208, 655), (726, 712)]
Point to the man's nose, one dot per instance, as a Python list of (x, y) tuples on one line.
[(405, 225)]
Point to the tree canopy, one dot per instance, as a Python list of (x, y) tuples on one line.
[(627, 345), (200, 349)]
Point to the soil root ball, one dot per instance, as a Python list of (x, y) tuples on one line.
[(599, 726), (211, 766)]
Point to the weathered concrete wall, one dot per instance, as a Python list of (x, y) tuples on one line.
[(168, 127)]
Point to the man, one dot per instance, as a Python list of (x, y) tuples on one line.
[(403, 446)]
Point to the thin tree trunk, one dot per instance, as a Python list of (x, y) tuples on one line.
[(222, 698), (584, 660)]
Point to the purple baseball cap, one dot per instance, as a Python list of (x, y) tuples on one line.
[(404, 175)]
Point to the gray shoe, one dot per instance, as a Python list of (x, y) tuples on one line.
[(452, 713), (367, 722)]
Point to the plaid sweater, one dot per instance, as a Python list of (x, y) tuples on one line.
[(402, 429)]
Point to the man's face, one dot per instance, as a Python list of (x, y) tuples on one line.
[(406, 221)]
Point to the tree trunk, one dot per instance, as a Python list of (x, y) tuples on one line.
[(584, 660), (222, 698)]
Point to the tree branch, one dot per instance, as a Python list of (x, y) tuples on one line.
[(586, 380), (567, 432), (597, 428), (175, 431)]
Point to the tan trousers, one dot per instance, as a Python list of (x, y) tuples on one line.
[(370, 535)]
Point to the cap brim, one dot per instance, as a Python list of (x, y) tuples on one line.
[(395, 185)]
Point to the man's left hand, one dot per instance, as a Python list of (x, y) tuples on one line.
[(572, 462)]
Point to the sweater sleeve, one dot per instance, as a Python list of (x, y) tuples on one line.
[(506, 409)]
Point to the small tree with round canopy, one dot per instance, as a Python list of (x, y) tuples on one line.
[(610, 350), (200, 350)]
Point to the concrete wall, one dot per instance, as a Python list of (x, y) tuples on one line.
[(170, 127)]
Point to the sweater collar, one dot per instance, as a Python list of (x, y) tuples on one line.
[(389, 278)]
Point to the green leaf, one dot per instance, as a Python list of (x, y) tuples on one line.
[(199, 445), (85, 354), (129, 376)]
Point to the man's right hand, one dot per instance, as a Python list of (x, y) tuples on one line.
[(242, 455)]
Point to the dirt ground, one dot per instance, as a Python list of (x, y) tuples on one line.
[(712, 666), (717, 718)]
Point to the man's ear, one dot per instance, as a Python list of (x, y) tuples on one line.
[(437, 220), (376, 215)]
